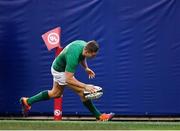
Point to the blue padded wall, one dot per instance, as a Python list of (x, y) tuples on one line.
[(138, 64)]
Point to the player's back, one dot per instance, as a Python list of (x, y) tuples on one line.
[(74, 50)]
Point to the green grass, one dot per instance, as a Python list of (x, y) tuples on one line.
[(86, 125)]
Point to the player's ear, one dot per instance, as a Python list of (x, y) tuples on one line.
[(86, 51)]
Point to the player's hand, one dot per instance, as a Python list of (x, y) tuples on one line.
[(90, 73), (90, 88)]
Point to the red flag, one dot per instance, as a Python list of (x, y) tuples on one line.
[(52, 38)]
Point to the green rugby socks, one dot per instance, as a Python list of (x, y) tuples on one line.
[(39, 97), (44, 96), (92, 108)]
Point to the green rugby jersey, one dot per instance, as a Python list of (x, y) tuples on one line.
[(70, 57)]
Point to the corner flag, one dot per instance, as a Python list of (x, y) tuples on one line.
[(52, 38)]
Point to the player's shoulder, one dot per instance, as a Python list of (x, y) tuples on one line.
[(75, 46), (78, 42)]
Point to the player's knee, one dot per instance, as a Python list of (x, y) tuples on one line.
[(54, 94), (57, 95), (81, 94)]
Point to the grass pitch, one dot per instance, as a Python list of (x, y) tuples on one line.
[(85, 125)]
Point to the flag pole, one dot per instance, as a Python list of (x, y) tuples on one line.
[(58, 101), (52, 40)]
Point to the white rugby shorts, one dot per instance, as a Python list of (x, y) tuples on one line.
[(58, 77)]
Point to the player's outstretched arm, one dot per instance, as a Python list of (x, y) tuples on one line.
[(71, 80)]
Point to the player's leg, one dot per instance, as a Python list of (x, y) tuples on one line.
[(90, 106), (87, 103), (55, 92)]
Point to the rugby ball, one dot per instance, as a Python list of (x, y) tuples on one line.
[(96, 95)]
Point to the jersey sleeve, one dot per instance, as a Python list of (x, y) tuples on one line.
[(71, 63)]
